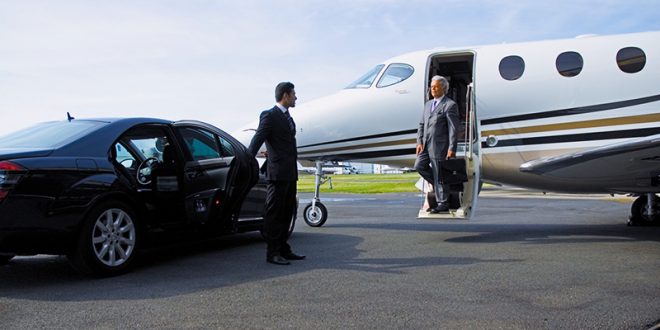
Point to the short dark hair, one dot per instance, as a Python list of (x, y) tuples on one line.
[(283, 88)]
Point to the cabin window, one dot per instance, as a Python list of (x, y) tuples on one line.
[(569, 64), (367, 79), (395, 74), (631, 59), (512, 67)]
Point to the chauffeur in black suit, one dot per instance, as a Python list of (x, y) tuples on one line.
[(278, 130), (437, 139)]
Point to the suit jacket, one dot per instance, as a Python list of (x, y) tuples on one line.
[(438, 130), (280, 141)]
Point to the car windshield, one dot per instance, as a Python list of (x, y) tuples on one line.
[(367, 79), (48, 135)]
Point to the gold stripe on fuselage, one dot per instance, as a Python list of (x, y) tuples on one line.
[(360, 146), (640, 119)]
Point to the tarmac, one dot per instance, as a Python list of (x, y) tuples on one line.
[(525, 261)]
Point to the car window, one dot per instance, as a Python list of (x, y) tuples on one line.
[(124, 156), (200, 143), (142, 142), (227, 148), (367, 79), (395, 74), (49, 134)]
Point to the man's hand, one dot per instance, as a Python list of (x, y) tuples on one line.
[(450, 154), (264, 153), (419, 149)]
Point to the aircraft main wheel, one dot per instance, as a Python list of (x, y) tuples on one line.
[(315, 216), (638, 214), (108, 241), (5, 258)]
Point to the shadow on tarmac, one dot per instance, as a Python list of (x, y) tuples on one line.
[(191, 268), (525, 233)]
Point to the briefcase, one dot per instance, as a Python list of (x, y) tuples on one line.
[(452, 171)]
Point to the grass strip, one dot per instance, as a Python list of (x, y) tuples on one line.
[(362, 183)]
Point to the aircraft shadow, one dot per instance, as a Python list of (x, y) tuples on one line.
[(526, 233)]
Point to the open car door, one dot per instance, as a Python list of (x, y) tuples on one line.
[(466, 196), (209, 173)]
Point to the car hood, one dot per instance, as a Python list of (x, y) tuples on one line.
[(13, 153)]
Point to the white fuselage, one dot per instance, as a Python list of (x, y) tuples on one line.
[(540, 114)]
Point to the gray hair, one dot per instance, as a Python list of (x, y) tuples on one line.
[(443, 82)]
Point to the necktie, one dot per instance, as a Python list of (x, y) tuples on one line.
[(292, 125), (435, 105)]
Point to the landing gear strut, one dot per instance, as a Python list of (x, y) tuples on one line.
[(315, 213), (644, 211)]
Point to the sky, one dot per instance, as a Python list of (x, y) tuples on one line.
[(219, 61)]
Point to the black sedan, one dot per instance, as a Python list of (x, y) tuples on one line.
[(99, 191)]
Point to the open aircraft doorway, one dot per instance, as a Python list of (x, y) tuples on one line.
[(458, 69)]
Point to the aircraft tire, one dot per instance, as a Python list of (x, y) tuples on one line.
[(637, 214), (315, 216)]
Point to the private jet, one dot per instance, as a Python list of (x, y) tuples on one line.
[(578, 115)]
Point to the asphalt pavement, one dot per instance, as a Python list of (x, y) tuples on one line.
[(526, 261)]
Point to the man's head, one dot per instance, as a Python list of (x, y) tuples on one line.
[(285, 94), (439, 86)]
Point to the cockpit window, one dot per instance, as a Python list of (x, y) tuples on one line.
[(395, 74), (367, 79)]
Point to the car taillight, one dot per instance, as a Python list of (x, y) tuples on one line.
[(10, 173)]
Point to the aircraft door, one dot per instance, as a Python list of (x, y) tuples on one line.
[(458, 69)]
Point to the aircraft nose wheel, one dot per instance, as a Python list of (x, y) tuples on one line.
[(315, 215)]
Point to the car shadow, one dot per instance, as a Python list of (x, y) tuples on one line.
[(185, 269)]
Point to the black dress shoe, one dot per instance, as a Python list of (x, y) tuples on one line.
[(440, 208), (293, 256), (278, 260)]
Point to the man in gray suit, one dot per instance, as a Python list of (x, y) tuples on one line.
[(437, 139)]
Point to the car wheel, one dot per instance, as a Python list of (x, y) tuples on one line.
[(109, 240), (5, 258)]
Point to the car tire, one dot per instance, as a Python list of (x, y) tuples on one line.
[(109, 240)]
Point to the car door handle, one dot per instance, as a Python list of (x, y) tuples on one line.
[(194, 172)]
